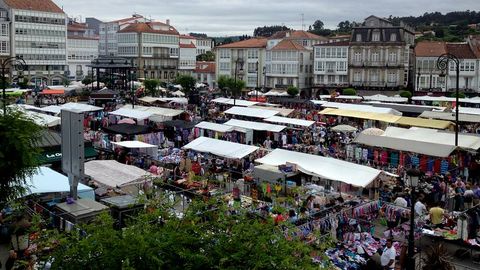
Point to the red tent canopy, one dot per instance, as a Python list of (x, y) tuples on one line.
[(53, 92)]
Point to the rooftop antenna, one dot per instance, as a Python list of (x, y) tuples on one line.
[(303, 21)]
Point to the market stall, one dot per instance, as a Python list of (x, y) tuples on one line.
[(112, 174), (139, 148), (221, 148), (237, 102), (51, 185), (251, 112)]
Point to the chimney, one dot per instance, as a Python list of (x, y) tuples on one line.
[(168, 21), (287, 34)]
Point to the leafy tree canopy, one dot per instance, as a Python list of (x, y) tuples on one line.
[(208, 56), (18, 153), (267, 31), (151, 86), (292, 91), (186, 81), (349, 92), (209, 236)]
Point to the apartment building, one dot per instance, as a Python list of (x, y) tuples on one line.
[(39, 32), (331, 64), (429, 78), (153, 47), (244, 60), (205, 73), (4, 33), (82, 48), (381, 55), (290, 59), (108, 41), (203, 45), (188, 55)]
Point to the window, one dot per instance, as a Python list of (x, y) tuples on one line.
[(317, 52), (358, 38), (289, 81), (252, 67), (252, 54), (224, 54), (4, 30), (224, 66), (392, 77), (376, 36), (374, 76), (357, 76), (341, 66), (358, 56), (252, 80), (322, 54), (393, 37), (392, 57), (319, 66), (375, 57), (344, 52)]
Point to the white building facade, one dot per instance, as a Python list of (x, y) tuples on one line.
[(188, 55), (40, 38), (81, 52), (331, 64), (153, 47), (244, 60), (108, 41)]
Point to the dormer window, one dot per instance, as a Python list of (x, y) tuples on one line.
[(376, 36), (358, 38), (393, 37)]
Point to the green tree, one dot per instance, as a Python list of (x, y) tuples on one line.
[(460, 95), (236, 86), (406, 94), (66, 82), (23, 83), (18, 153), (292, 91), (186, 81), (349, 92), (317, 25), (222, 81), (151, 87), (87, 80), (208, 56), (207, 237)]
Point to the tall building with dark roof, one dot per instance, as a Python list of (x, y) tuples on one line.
[(153, 47), (39, 29), (381, 55)]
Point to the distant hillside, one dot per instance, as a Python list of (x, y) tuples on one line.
[(229, 39), (452, 26)]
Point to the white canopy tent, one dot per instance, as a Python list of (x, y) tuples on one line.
[(425, 148), (323, 167), (290, 121), (221, 148), (465, 141), (132, 113), (214, 126), (383, 98), (238, 102), (341, 97), (255, 93), (318, 102), (255, 125), (450, 116), (281, 111), (251, 112), (276, 93), (113, 174), (149, 149), (44, 119), (178, 93), (362, 108), (46, 180)]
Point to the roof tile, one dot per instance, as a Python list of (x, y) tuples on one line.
[(141, 27), (430, 48), (288, 45), (248, 43), (37, 5), (205, 67), (460, 50)]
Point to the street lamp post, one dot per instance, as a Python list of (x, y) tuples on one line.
[(238, 61), (443, 64), (16, 62), (413, 177), (418, 78), (257, 88)]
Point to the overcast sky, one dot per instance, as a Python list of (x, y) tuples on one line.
[(237, 17)]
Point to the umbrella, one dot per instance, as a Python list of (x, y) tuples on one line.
[(344, 128), (127, 121), (373, 131)]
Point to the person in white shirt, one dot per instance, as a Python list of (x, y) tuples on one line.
[(400, 201), (388, 256), (420, 208), (267, 143)]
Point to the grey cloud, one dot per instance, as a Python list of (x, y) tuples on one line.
[(232, 17)]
